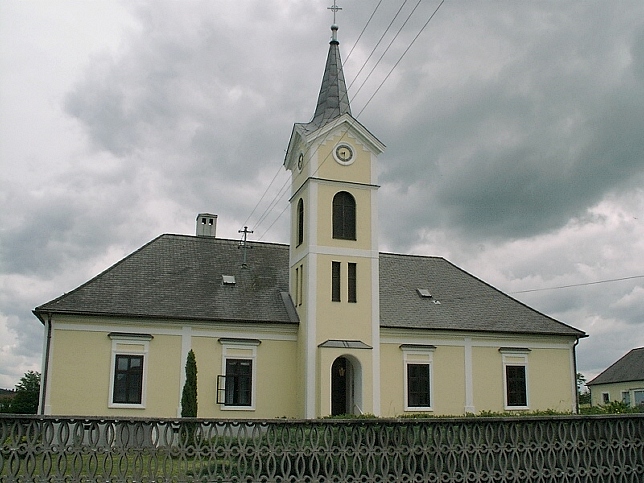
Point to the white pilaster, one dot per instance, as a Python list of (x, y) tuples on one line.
[(469, 383)]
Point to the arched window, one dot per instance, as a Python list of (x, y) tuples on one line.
[(300, 222), (344, 216)]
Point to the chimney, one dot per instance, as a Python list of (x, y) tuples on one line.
[(206, 225)]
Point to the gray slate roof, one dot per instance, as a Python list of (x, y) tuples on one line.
[(180, 277), (628, 368), (464, 302)]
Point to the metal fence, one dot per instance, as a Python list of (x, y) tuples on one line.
[(531, 449)]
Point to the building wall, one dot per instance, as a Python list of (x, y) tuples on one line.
[(81, 363), (614, 391), (357, 172), (552, 379), (319, 180), (79, 380), (457, 389), (362, 195), (276, 369), (344, 320)]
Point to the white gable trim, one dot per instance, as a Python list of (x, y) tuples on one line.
[(219, 330), (347, 122)]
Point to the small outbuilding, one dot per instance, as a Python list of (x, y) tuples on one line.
[(622, 381)]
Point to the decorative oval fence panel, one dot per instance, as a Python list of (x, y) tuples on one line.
[(533, 449)]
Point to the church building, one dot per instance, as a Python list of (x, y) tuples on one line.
[(326, 325)]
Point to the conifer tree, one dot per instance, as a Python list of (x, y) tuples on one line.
[(189, 395), (26, 396)]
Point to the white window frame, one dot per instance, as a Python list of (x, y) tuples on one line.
[(417, 354), (244, 349), (605, 397), (634, 399), (515, 357), (124, 344), (626, 397)]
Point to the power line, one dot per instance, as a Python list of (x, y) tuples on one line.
[(579, 284), (386, 49), (280, 193), (377, 44), (346, 59), (263, 195), (282, 190), (403, 55), (495, 290)]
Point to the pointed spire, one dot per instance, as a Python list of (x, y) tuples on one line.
[(333, 100)]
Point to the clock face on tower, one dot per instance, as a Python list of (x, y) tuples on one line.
[(343, 154), (300, 162)]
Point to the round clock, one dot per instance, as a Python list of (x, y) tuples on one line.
[(344, 153), (300, 162)]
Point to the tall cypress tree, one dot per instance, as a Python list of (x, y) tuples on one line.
[(189, 395)]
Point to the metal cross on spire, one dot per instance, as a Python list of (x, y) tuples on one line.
[(335, 9), (243, 244)]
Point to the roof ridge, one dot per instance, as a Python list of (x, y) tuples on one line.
[(412, 255), (220, 239), (606, 376)]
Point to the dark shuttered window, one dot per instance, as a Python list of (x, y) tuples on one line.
[(352, 296), (239, 379), (300, 222), (335, 281), (128, 379), (418, 385), (344, 216), (516, 386)]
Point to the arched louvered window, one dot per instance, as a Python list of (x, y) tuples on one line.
[(300, 222), (344, 216)]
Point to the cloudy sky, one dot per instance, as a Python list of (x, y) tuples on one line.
[(514, 133)]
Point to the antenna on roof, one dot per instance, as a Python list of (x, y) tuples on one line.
[(243, 244)]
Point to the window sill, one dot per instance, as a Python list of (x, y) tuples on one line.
[(236, 408), (517, 408), (419, 409), (125, 406)]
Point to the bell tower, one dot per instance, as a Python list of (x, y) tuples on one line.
[(334, 278)]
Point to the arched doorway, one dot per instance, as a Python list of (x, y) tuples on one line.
[(345, 386)]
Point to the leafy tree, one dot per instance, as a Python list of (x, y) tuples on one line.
[(581, 381), (189, 395), (584, 396), (25, 399), (6, 395)]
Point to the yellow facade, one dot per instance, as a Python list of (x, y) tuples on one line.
[(357, 172), (549, 372), (619, 391), (317, 176), (87, 390), (362, 196)]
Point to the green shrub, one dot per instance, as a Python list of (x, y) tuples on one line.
[(614, 407)]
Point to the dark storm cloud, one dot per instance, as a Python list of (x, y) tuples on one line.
[(520, 143), (69, 219)]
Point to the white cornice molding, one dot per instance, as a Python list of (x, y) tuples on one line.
[(221, 330)]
